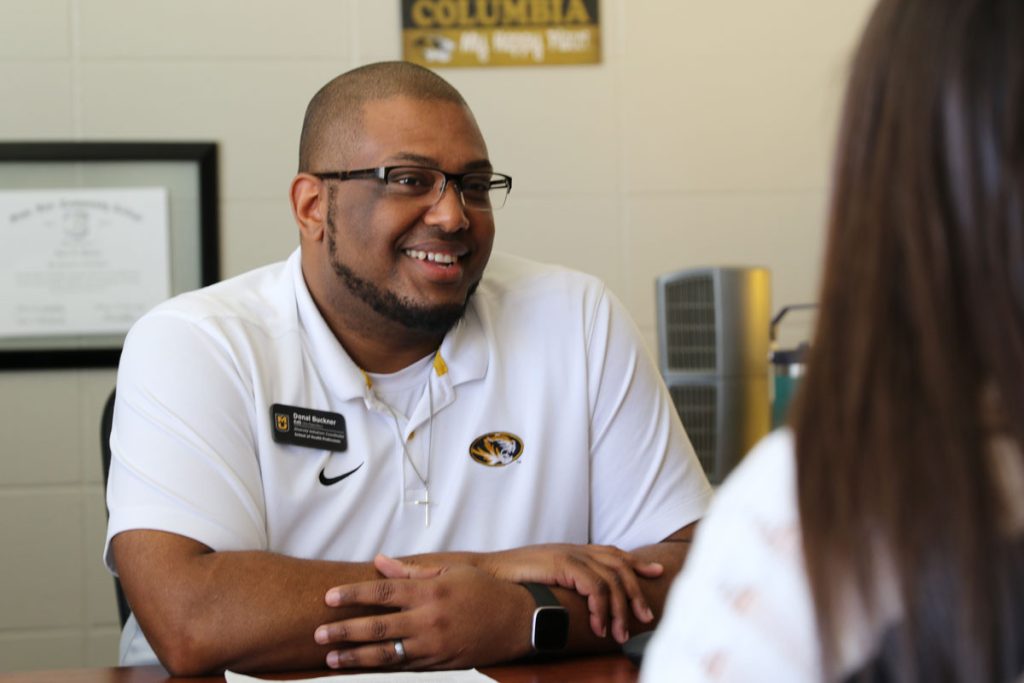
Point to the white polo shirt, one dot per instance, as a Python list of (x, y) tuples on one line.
[(550, 424)]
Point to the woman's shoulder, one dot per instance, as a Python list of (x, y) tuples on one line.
[(741, 610), (763, 484)]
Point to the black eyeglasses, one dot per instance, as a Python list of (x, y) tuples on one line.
[(479, 190)]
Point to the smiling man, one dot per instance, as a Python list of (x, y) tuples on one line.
[(394, 449)]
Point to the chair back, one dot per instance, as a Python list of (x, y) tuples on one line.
[(106, 423)]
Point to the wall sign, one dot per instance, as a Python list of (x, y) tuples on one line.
[(439, 33)]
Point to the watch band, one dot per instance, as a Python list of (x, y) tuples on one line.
[(542, 595)]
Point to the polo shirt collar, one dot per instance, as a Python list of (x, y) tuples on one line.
[(341, 375), (465, 348)]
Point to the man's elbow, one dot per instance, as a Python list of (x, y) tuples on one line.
[(184, 653)]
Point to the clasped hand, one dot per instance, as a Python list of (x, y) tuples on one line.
[(470, 611)]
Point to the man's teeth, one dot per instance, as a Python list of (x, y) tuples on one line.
[(447, 259)]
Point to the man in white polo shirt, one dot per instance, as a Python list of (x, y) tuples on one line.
[(281, 437)]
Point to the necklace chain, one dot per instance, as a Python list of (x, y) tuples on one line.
[(426, 503)]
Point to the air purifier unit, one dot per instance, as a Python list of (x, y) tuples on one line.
[(713, 350)]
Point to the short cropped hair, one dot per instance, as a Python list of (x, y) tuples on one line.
[(337, 108)]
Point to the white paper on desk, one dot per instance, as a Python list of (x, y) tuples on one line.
[(463, 676)]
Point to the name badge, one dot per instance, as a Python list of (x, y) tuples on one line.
[(308, 427)]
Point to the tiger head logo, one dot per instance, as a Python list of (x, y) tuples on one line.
[(282, 422), (496, 449)]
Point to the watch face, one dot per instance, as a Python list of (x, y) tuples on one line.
[(550, 628)]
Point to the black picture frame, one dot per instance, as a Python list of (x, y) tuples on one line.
[(194, 226)]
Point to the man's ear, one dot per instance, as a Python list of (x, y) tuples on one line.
[(309, 206)]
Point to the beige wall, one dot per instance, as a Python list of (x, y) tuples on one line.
[(703, 138)]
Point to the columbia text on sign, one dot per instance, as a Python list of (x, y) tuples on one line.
[(439, 33)]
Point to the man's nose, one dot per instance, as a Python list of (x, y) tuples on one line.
[(449, 212)]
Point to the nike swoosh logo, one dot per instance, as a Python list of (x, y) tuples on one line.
[(328, 481)]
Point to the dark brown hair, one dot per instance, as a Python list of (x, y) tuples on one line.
[(336, 109), (918, 357)]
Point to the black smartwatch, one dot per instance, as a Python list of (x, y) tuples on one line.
[(550, 630)]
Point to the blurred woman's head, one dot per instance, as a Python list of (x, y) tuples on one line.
[(918, 360)]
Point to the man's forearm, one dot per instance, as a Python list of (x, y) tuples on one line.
[(205, 611)]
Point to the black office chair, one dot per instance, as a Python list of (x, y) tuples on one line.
[(106, 423)]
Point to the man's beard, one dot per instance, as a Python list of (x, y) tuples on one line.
[(430, 319)]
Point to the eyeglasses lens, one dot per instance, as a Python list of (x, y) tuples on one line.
[(480, 191)]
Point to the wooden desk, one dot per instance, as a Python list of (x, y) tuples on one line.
[(601, 669)]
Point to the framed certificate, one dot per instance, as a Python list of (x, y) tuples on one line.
[(94, 234)]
